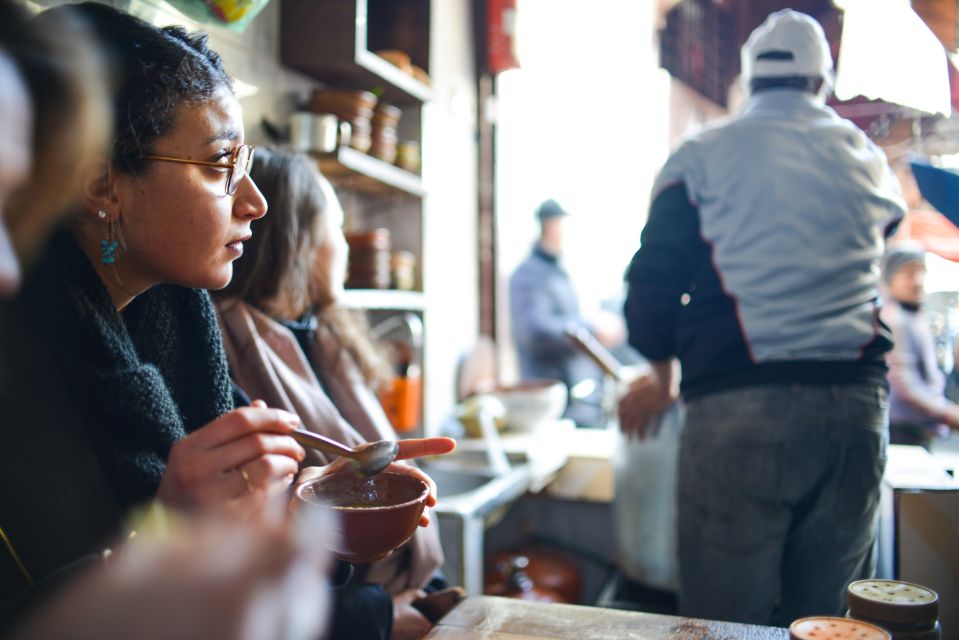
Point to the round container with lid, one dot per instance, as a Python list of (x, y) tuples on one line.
[(908, 611), (828, 628), (369, 261)]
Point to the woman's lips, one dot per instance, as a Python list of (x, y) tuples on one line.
[(236, 247)]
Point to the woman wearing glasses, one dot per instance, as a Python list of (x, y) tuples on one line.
[(206, 580), (113, 383), (112, 364)]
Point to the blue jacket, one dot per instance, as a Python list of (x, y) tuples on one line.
[(759, 260), (542, 304)]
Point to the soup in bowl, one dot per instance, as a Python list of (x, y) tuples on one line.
[(376, 515)]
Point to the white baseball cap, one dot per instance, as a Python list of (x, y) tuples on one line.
[(788, 43)]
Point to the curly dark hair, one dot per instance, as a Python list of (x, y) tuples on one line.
[(154, 71)]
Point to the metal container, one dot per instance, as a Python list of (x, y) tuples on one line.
[(317, 132)]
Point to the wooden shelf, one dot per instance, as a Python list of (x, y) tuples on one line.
[(328, 40), (356, 170), (383, 299), (398, 87)]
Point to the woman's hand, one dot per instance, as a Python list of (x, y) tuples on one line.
[(408, 623), (243, 452), (411, 448), (203, 576)]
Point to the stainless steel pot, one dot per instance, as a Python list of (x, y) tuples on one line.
[(317, 132)]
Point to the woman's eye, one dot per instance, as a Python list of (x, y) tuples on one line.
[(221, 159)]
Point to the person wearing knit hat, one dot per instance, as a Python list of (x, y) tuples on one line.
[(898, 256), (758, 271), (918, 409)]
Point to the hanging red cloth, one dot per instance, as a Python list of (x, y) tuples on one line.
[(501, 35)]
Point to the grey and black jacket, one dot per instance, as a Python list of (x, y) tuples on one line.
[(759, 260)]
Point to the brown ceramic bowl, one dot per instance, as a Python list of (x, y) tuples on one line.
[(377, 515)]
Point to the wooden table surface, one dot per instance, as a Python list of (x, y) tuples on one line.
[(489, 618)]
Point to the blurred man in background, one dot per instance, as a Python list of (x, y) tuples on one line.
[(543, 304), (918, 408)]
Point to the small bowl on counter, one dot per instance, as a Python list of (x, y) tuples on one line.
[(532, 403)]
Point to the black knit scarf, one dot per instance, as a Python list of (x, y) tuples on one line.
[(141, 380)]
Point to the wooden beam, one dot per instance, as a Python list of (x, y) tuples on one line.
[(941, 17)]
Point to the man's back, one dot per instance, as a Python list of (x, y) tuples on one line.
[(782, 212), (794, 202), (758, 270)]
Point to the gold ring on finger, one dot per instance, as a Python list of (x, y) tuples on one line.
[(246, 479)]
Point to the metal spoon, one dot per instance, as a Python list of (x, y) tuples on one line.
[(368, 459)]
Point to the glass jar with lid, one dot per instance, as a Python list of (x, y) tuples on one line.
[(908, 611), (830, 628)]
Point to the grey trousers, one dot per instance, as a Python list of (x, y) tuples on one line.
[(779, 499)]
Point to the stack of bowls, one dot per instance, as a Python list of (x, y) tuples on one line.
[(355, 107), (369, 264), (385, 139)]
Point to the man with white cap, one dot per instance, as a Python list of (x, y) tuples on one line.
[(758, 272)]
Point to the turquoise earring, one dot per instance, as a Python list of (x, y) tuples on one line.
[(108, 247), (109, 250)]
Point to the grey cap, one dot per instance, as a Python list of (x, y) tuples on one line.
[(899, 255), (550, 209)]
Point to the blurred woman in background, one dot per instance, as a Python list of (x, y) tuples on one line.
[(289, 342)]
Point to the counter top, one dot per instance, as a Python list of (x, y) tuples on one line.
[(489, 618), (566, 462)]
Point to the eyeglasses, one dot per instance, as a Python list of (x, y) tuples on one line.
[(239, 165)]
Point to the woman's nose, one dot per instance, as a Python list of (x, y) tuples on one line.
[(249, 202)]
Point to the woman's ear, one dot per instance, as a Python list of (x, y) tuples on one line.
[(97, 182)]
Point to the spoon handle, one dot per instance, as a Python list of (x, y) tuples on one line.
[(321, 443)]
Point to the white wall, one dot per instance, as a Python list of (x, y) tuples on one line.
[(450, 277), (585, 121), (264, 87)]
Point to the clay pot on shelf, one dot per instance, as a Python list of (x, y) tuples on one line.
[(370, 260), (408, 156), (403, 266), (354, 107), (384, 137)]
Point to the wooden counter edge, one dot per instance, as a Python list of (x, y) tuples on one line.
[(487, 617)]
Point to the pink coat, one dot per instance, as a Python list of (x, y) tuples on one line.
[(333, 400)]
